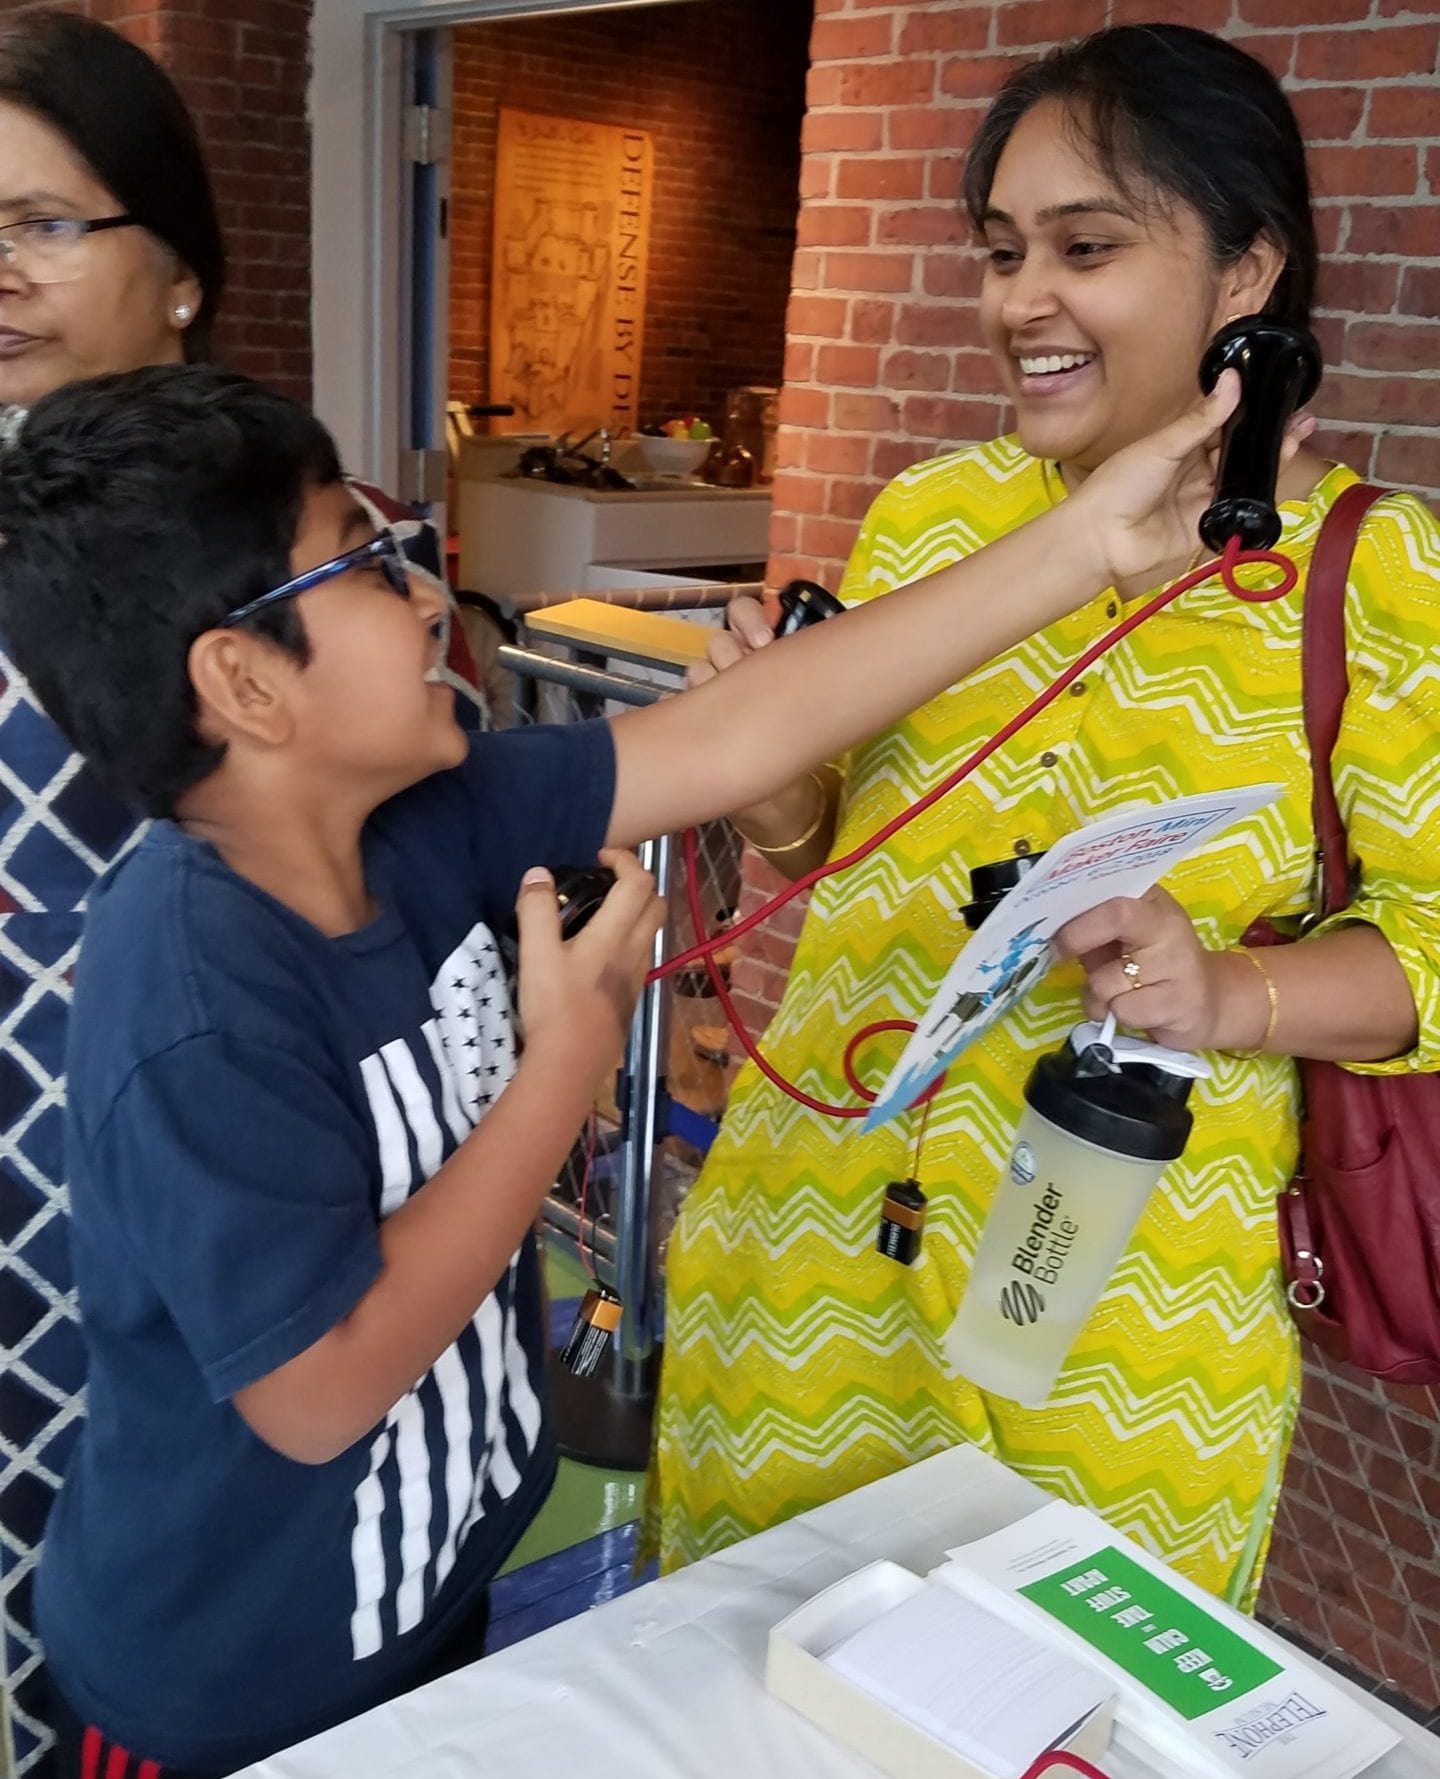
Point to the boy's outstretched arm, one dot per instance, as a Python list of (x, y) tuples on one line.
[(447, 1247), (782, 710)]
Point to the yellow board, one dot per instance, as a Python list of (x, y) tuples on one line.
[(625, 635), (572, 234)]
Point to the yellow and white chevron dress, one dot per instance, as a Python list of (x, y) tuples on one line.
[(799, 1363)]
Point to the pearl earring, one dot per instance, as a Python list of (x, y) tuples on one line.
[(183, 313)]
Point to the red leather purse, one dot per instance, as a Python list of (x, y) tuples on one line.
[(1360, 1222)]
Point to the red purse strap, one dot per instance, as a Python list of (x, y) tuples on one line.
[(1326, 679)]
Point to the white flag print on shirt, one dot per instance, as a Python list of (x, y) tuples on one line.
[(443, 1079)]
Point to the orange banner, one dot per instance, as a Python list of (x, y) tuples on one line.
[(572, 233)]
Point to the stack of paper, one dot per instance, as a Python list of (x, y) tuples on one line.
[(1203, 1691), (984, 1688)]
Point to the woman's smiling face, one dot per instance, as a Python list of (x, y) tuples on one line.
[(1096, 303)]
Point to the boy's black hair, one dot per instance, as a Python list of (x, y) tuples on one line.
[(122, 114), (1188, 114), (136, 511)]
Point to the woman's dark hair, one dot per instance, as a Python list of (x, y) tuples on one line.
[(1182, 112), (136, 512), (122, 115)]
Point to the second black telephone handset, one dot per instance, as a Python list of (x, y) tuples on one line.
[(1279, 370)]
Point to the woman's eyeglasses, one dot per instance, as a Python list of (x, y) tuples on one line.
[(383, 552), (51, 249)]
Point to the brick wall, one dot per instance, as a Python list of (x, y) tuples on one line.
[(243, 66), (721, 85), (885, 366)]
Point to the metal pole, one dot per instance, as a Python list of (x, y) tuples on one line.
[(645, 1071)]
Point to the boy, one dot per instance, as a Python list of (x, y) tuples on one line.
[(305, 1162)]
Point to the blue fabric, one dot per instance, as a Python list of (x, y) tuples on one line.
[(248, 1100)]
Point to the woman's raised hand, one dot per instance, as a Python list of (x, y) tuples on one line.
[(1145, 502), (747, 629)]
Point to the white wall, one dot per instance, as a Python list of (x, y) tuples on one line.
[(354, 102)]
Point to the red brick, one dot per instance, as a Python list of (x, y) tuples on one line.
[(934, 126), (893, 456), (851, 500), (1369, 171), (1047, 21), (976, 77), (1204, 15), (932, 225), (1409, 457), (954, 274), (804, 407), (828, 537), (1394, 346), (800, 493), (1328, 113), (866, 413), (799, 361), (855, 132), (871, 322), (1267, 15), (1398, 401), (917, 370), (1346, 445), (1420, 291), (974, 373), (1387, 53), (837, 456), (855, 367), (869, 271), (935, 324), (818, 315), (950, 28), (881, 178), (848, 40), (1402, 111), (834, 225), (1275, 49), (886, 83), (1358, 286), (1404, 229), (961, 422)]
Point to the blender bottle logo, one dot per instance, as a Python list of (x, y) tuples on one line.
[(1040, 1254), (1021, 1303)]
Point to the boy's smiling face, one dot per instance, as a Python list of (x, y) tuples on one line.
[(369, 706)]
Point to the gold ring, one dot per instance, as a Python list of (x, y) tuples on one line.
[(1131, 969)]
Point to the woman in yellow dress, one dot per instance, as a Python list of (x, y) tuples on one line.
[(1134, 191)]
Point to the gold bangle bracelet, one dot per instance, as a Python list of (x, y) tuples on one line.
[(1272, 994), (802, 839)]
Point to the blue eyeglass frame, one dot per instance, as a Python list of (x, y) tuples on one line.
[(384, 551)]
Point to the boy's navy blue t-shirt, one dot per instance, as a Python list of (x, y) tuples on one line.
[(248, 1100)]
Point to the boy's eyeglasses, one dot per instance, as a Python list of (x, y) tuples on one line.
[(51, 249), (381, 552)]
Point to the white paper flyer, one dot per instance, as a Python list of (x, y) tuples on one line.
[(1202, 1690), (1124, 855)]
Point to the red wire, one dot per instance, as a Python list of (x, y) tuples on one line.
[(1056, 1757), (1233, 558)]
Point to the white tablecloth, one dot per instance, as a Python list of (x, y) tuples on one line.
[(667, 1682)]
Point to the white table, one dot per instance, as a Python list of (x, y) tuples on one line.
[(667, 1682)]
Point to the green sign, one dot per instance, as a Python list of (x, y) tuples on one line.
[(1171, 1646)]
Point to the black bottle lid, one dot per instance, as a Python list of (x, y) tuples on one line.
[(1138, 1110), (988, 883)]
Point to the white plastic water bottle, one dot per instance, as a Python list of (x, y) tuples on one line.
[(1102, 1121)]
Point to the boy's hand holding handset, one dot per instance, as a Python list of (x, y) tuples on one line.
[(582, 992)]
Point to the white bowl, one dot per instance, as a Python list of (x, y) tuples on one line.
[(675, 457)]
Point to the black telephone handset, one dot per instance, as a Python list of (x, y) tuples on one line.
[(1279, 370), (803, 603)]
